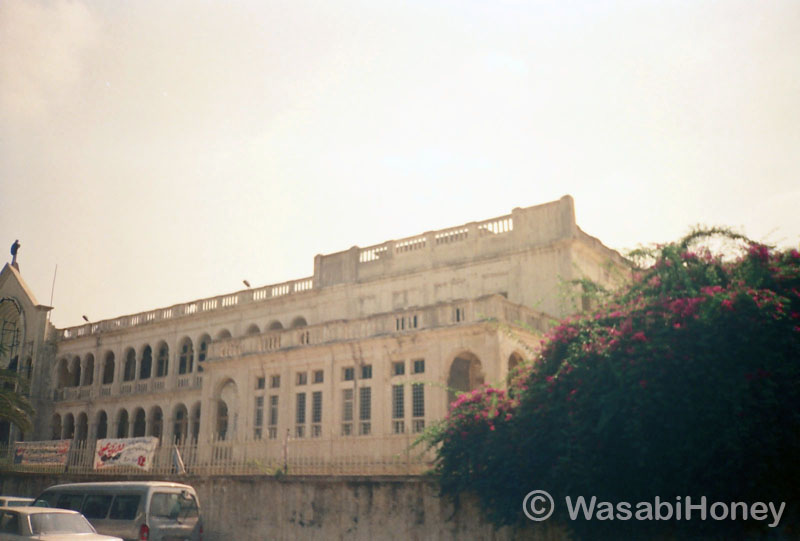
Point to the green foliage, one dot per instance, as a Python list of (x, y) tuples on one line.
[(687, 382), (14, 404)]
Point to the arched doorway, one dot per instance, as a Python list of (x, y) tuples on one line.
[(466, 374)]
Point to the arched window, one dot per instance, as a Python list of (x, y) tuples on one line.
[(139, 423), (205, 341), (146, 368), (101, 432), (299, 321), (130, 366), (162, 364), (75, 372), (156, 422), (275, 326), (222, 420), (187, 357), (252, 330), (514, 360), (224, 334), (180, 429), (108, 369), (196, 421), (122, 423), (69, 427), (82, 431), (88, 373)]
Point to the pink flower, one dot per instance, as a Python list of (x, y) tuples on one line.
[(639, 337), (727, 304)]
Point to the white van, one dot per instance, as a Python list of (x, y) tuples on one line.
[(132, 510)]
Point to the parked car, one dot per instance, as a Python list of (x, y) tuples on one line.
[(15, 501), (145, 510), (43, 524)]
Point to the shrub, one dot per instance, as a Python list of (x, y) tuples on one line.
[(685, 383)]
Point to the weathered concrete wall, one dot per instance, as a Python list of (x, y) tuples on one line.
[(324, 508)]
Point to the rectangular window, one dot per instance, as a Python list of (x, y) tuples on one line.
[(273, 410), (316, 407), (319, 376), (398, 404), (260, 383), (419, 366), (398, 368), (348, 374), (347, 412), (300, 411), (258, 419), (302, 378), (274, 382), (418, 407), (458, 314), (364, 410), (398, 409), (366, 371)]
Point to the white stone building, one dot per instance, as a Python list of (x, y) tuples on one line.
[(355, 359)]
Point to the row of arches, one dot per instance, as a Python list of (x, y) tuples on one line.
[(150, 362), (182, 426), (276, 325)]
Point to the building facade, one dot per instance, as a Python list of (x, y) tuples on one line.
[(355, 360)]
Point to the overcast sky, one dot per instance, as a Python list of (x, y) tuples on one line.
[(161, 151)]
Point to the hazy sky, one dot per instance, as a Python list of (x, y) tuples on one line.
[(161, 151)]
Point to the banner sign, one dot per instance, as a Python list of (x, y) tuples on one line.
[(47, 453), (135, 452)]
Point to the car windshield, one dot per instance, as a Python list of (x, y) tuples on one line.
[(173, 506), (47, 523)]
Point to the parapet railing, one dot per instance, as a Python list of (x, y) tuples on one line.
[(443, 237), (259, 457), (195, 307)]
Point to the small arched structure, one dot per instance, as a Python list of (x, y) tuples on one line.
[(139, 423), (514, 360), (180, 424), (122, 423), (227, 405), (275, 326), (101, 425), (156, 425), (130, 365), (108, 368), (196, 421), (69, 427), (82, 429), (75, 372), (88, 371), (162, 360), (146, 366), (186, 359), (298, 322), (252, 330)]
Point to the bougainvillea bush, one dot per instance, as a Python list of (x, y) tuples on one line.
[(687, 382)]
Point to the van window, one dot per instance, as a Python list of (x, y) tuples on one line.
[(69, 501), (125, 507), (96, 505), (173, 506)]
